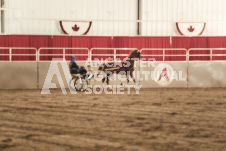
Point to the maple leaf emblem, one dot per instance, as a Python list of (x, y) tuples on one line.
[(191, 29), (75, 27)]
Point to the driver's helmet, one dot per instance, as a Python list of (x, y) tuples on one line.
[(73, 57)]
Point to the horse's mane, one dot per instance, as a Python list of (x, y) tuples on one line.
[(131, 53)]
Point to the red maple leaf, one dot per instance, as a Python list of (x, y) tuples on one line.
[(191, 29), (75, 27)]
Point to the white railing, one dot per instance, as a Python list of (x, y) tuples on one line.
[(90, 53), (63, 54), (114, 54), (163, 50), (11, 54), (209, 54)]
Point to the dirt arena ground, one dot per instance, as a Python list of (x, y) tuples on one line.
[(156, 119)]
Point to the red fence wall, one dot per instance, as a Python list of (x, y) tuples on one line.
[(83, 41), (111, 42), (92, 41)]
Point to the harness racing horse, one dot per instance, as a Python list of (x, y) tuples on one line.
[(125, 67)]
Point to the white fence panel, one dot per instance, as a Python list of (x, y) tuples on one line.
[(206, 74)]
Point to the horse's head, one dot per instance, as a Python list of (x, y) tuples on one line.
[(134, 54), (137, 54)]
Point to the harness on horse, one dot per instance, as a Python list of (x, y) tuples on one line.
[(126, 67)]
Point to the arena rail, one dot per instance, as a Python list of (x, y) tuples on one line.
[(114, 54), (63, 54), (164, 55), (11, 54), (192, 69), (210, 53)]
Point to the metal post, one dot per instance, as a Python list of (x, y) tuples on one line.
[(90, 53), (10, 54), (187, 72), (89, 58), (139, 16), (64, 54), (139, 70), (187, 59), (187, 55), (163, 55), (37, 74), (211, 54), (2, 17), (39, 54), (36, 54), (115, 54)]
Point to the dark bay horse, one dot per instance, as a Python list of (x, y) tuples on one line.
[(124, 67)]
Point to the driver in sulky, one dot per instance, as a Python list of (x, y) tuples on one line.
[(75, 69)]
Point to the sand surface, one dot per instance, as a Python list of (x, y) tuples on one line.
[(156, 119)]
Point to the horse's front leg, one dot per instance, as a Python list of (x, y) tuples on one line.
[(131, 75), (108, 75)]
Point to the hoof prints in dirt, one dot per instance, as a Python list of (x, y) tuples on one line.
[(5, 146), (170, 99), (148, 121), (157, 104), (30, 135), (140, 118), (7, 140), (191, 103), (6, 143), (173, 113)]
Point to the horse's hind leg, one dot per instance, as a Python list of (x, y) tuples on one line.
[(107, 81), (104, 78), (108, 75)]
